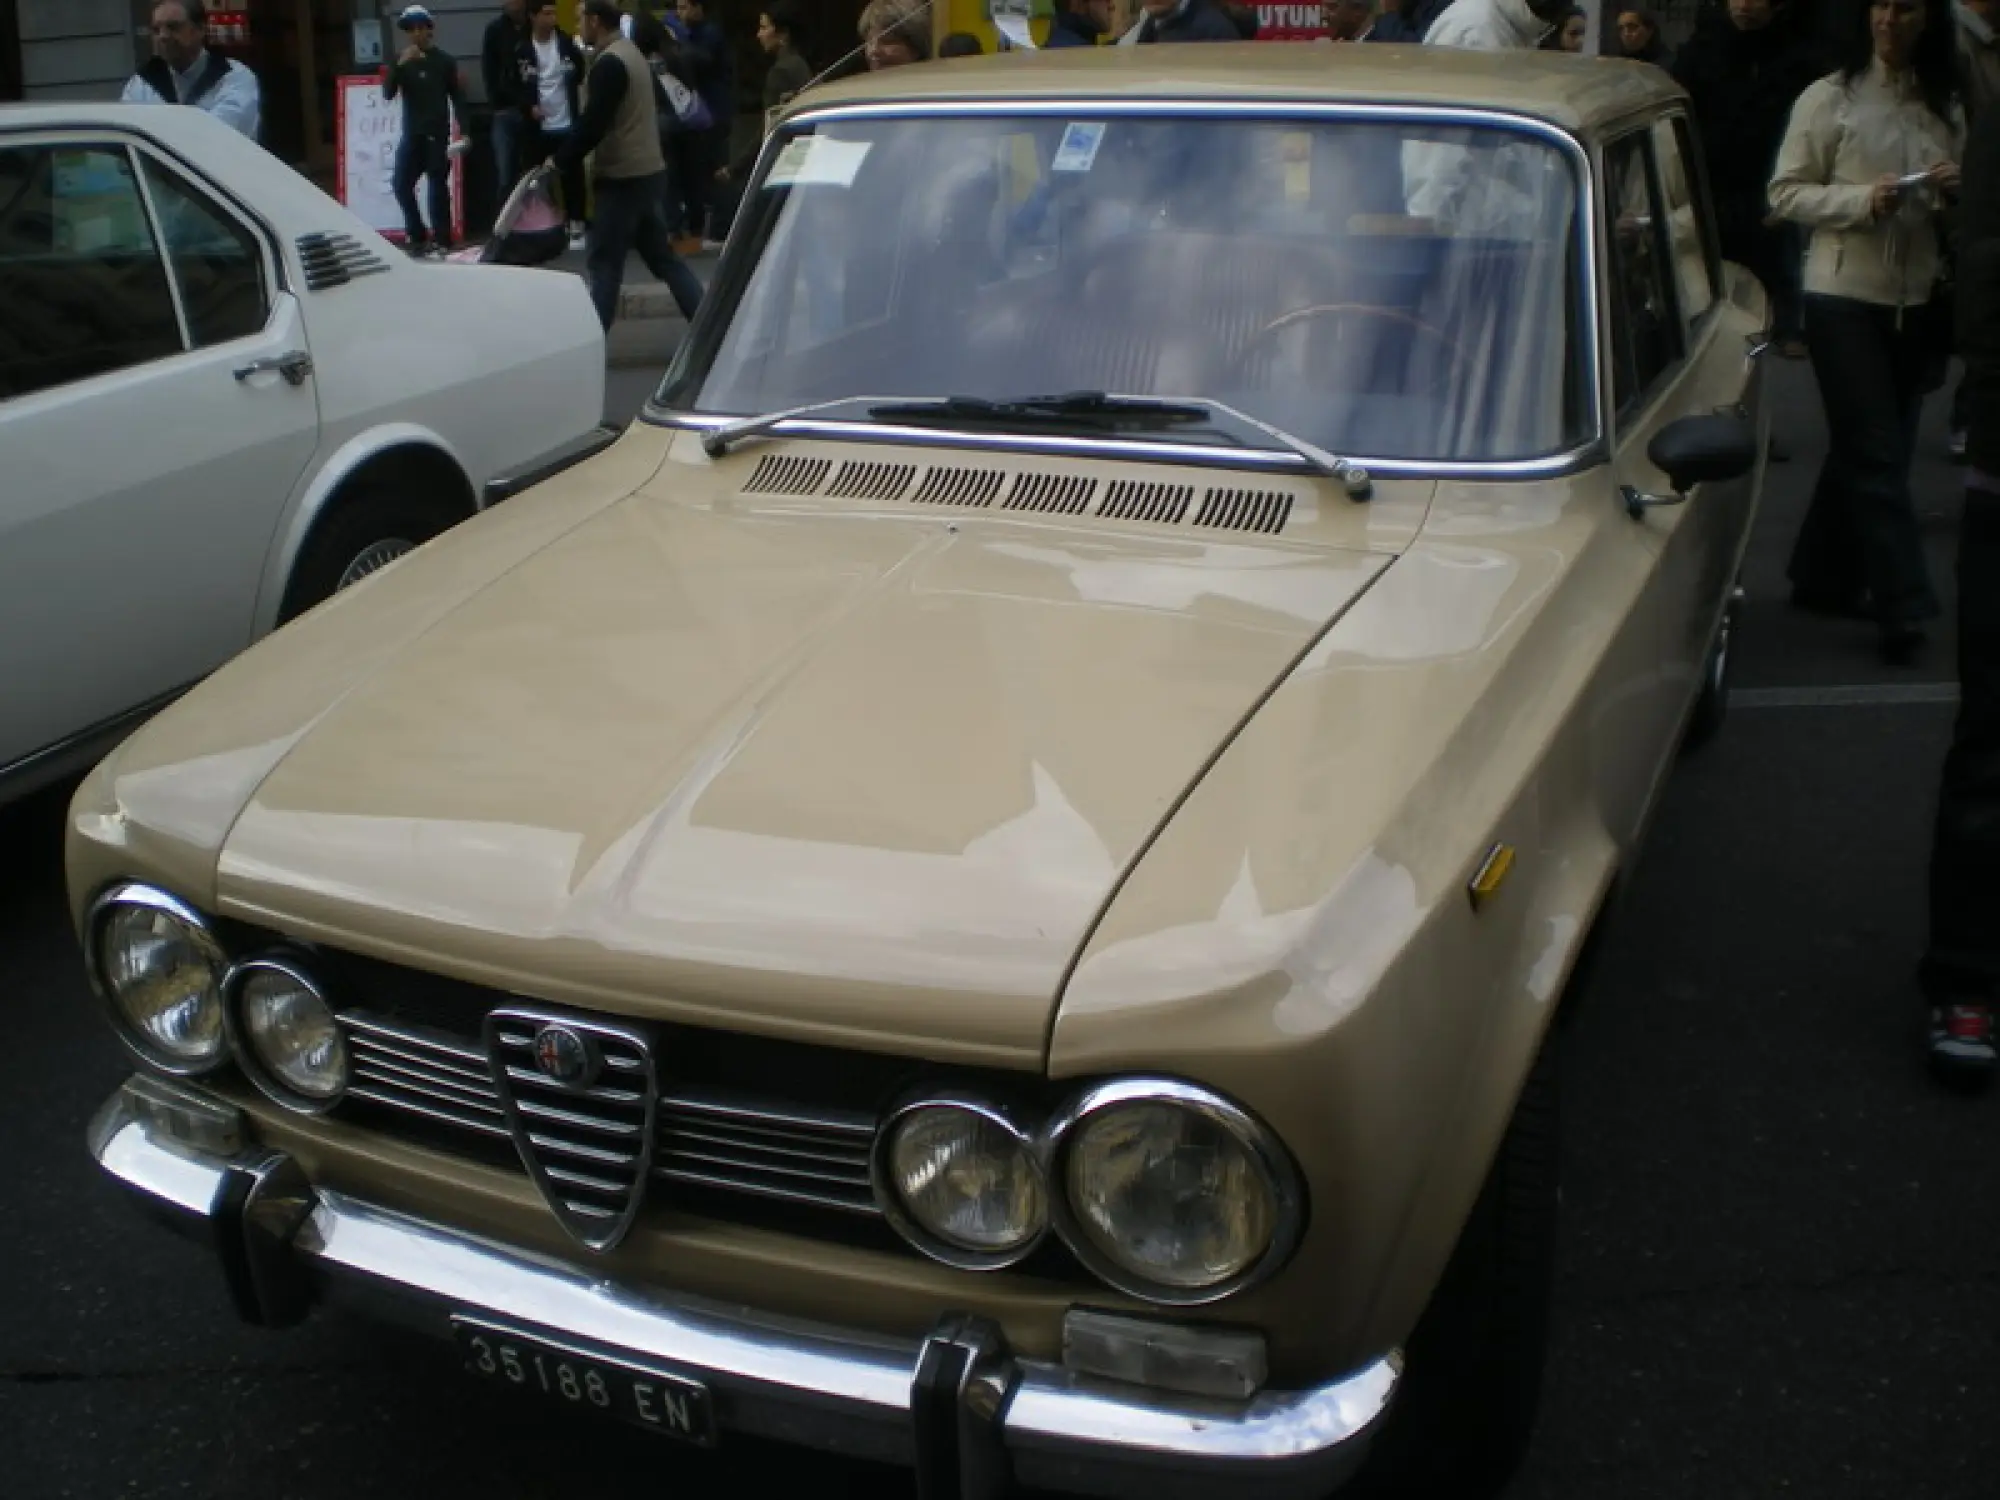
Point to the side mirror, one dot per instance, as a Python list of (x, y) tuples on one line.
[(1692, 451), (1703, 450)]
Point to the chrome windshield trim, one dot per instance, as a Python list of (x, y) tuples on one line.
[(1590, 326), (1139, 451)]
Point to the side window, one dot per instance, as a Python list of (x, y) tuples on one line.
[(1645, 335), (83, 290), (215, 259), (1694, 272)]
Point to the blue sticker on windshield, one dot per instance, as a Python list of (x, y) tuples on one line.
[(1079, 148)]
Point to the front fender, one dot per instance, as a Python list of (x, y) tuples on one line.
[(305, 508)]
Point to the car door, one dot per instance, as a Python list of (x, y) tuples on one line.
[(157, 409), (1672, 355)]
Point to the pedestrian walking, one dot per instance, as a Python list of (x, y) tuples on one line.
[(1868, 157), (184, 69), (1960, 974), (425, 77), (620, 124)]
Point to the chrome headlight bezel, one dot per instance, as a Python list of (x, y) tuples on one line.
[(890, 1199), (133, 894), (267, 1080), (1260, 1145)]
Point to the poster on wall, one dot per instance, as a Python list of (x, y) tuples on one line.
[(1289, 23), (369, 129)]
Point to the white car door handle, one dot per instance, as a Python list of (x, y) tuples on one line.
[(294, 367)]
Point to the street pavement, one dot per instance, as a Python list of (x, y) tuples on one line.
[(1781, 1251)]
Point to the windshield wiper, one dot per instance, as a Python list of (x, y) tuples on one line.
[(719, 440), (1076, 408), (1097, 409)]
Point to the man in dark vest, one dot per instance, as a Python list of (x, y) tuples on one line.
[(184, 69), (628, 173)]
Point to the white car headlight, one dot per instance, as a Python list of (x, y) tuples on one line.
[(1172, 1193), (962, 1183), (160, 968), (286, 1036)]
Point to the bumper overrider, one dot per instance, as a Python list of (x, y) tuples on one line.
[(971, 1418)]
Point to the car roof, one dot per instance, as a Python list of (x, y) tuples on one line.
[(1575, 94)]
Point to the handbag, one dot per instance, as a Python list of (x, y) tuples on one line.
[(688, 108)]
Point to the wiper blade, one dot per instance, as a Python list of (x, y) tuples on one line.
[(1076, 408)]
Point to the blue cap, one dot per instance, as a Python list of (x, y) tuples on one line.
[(412, 17)]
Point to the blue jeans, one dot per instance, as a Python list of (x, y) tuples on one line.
[(424, 156), (630, 214)]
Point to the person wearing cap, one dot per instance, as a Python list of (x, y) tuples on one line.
[(425, 77), (184, 69), (620, 133)]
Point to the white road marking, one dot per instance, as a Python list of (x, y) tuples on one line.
[(1850, 695)]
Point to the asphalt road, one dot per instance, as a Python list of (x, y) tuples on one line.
[(1781, 1256)]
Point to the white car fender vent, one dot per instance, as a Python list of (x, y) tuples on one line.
[(778, 474), (1132, 500), (969, 487), (331, 260), (1245, 510), (866, 481), (1051, 494)]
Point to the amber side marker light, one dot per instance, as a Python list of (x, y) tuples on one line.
[(1492, 875)]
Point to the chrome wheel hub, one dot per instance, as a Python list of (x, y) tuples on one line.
[(373, 559)]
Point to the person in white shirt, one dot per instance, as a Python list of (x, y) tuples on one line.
[(548, 74), (185, 70)]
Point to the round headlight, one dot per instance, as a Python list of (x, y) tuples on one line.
[(1174, 1194), (962, 1183), (286, 1034), (161, 969)]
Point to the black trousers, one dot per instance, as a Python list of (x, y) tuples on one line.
[(1963, 958), (631, 214), (424, 156), (538, 147), (1861, 529)]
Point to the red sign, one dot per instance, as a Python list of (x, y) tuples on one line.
[(1289, 23)]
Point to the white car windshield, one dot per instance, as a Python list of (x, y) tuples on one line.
[(1384, 287)]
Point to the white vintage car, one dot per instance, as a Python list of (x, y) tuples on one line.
[(222, 398)]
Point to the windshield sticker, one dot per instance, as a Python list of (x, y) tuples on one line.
[(815, 159), (1078, 150)]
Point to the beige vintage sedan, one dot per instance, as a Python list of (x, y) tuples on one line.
[(993, 886)]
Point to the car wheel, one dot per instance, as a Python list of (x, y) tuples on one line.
[(1461, 1424), (368, 530), (1712, 707)]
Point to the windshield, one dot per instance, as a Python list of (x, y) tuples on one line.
[(1392, 288)]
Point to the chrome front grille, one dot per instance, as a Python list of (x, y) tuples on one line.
[(702, 1138)]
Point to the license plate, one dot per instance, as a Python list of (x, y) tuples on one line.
[(614, 1385)]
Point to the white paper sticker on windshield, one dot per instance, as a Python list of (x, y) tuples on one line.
[(1079, 148), (815, 159)]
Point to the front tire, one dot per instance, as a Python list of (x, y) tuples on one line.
[(364, 533), (1461, 1425)]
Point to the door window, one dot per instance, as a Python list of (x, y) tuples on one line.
[(1687, 219), (1645, 332), (215, 258), (83, 288)]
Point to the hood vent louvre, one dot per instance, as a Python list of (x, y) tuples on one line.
[(1163, 504), (1051, 494), (331, 260), (1245, 510), (865, 481), (779, 475), (959, 487)]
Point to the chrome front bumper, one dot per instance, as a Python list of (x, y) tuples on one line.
[(970, 1418)]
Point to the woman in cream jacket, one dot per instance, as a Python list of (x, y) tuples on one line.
[(1867, 159)]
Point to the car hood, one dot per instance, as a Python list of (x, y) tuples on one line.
[(844, 775)]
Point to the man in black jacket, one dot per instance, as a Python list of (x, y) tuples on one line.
[(1186, 21), (1961, 966), (497, 53), (545, 87), (426, 78), (1743, 73)]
